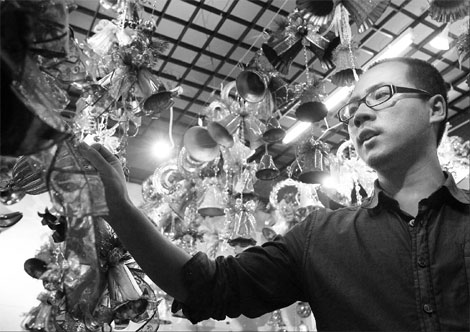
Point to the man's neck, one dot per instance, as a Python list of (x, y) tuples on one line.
[(412, 185)]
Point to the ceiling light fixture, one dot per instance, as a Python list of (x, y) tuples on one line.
[(162, 149), (295, 131), (396, 48)]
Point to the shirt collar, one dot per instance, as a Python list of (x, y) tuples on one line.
[(379, 195)]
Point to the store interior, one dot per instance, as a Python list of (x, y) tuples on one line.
[(223, 114)]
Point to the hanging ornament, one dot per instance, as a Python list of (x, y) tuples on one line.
[(311, 109), (212, 199), (358, 193), (35, 267), (347, 169), (462, 46), (220, 134), (303, 309), (276, 321), (166, 178), (285, 197), (285, 43), (160, 101), (200, 145), (72, 72), (267, 169), (365, 13), (104, 37), (243, 120), (149, 194), (10, 197), (316, 12), (448, 10), (346, 72), (40, 318), (187, 165), (130, 14), (312, 159), (281, 91), (149, 85), (243, 231), (115, 5), (454, 153), (274, 132), (247, 127), (252, 82), (9, 219), (29, 176), (322, 45), (243, 181), (236, 156)]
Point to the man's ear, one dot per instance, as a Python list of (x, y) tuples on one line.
[(438, 109)]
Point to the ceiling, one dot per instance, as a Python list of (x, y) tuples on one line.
[(209, 40)]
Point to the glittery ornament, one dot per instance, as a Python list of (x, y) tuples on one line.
[(346, 72), (200, 145), (448, 10), (316, 12), (365, 12), (274, 132), (10, 197), (211, 204), (312, 158), (9, 219), (282, 51), (463, 47), (29, 176), (311, 109), (243, 230)]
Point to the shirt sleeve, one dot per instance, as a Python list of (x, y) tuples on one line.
[(256, 281)]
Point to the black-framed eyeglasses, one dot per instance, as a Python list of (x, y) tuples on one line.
[(374, 98)]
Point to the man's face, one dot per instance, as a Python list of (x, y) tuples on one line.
[(395, 131)]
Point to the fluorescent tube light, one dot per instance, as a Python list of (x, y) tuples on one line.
[(295, 131), (441, 41), (397, 47), (335, 98)]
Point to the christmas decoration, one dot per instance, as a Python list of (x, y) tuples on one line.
[(448, 10), (313, 162), (206, 198)]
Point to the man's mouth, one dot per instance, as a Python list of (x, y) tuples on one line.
[(366, 135)]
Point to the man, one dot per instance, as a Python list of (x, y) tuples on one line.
[(400, 261)]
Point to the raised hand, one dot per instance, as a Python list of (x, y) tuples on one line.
[(111, 173)]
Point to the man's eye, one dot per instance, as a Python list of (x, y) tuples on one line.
[(380, 94), (352, 108)]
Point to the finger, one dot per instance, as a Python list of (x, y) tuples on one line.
[(93, 155)]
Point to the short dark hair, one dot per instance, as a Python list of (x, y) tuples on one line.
[(425, 76)]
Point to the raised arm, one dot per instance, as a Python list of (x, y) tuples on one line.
[(161, 260)]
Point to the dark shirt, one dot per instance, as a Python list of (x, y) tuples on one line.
[(369, 267)]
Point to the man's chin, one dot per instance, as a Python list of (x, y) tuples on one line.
[(376, 161)]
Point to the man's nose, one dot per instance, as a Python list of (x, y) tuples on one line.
[(363, 113)]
